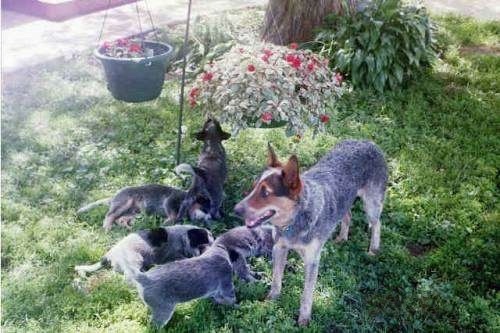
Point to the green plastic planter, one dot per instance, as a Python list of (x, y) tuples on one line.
[(137, 79)]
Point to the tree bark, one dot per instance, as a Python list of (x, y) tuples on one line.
[(289, 21)]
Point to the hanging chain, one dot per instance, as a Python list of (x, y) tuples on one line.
[(104, 21), (155, 32), (139, 22)]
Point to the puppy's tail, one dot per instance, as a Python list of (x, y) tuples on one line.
[(134, 275), (92, 205), (184, 168)]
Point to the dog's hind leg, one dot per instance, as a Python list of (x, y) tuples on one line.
[(162, 314), (344, 228), (280, 255), (226, 295), (373, 201), (115, 212)]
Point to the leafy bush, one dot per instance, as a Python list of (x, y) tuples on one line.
[(380, 46), (263, 84)]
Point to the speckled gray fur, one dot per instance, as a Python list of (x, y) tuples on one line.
[(243, 243)]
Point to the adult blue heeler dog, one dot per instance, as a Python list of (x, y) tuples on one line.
[(307, 208)]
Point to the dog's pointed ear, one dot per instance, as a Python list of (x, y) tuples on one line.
[(198, 237), (158, 236), (291, 176), (272, 159)]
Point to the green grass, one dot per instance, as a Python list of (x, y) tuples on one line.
[(66, 142)]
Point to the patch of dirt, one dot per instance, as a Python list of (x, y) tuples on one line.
[(418, 250), (481, 49)]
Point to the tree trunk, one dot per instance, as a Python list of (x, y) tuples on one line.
[(289, 21)]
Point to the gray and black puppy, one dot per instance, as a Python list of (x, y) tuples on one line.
[(143, 249), (242, 243), (212, 161), (154, 199), (206, 276)]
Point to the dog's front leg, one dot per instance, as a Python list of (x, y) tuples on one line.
[(311, 255), (280, 254)]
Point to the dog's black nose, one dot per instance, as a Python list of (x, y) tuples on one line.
[(239, 209)]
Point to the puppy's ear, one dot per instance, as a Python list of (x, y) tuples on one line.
[(200, 135), (158, 236), (291, 176), (272, 159), (224, 135), (198, 237)]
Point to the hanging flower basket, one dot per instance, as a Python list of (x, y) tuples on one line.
[(268, 86), (135, 71)]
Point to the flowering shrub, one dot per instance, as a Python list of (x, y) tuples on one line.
[(125, 48), (267, 84)]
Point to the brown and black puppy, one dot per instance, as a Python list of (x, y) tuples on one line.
[(153, 199), (212, 162), (306, 208)]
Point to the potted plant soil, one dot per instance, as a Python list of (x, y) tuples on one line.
[(134, 70)]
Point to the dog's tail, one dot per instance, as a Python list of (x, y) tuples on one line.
[(184, 168), (92, 205), (82, 270)]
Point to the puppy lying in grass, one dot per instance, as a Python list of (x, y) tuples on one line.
[(145, 248), (206, 276), (154, 199)]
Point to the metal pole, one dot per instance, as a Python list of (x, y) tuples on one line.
[(183, 81)]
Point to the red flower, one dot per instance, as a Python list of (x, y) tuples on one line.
[(134, 48), (207, 76), (324, 118), (251, 68), (310, 66), (339, 78), (294, 46), (266, 117), (194, 92), (122, 42), (293, 60), (192, 103)]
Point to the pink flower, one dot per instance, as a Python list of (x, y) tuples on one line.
[(324, 118), (251, 68), (293, 46), (241, 50), (207, 76), (265, 58), (136, 48), (106, 45), (266, 117), (310, 66), (267, 52), (339, 78)]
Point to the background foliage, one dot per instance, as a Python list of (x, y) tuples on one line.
[(381, 46)]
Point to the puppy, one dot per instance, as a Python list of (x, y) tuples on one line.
[(206, 276), (153, 199), (307, 208), (243, 242), (145, 248), (212, 161)]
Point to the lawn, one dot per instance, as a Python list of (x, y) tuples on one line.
[(66, 142)]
